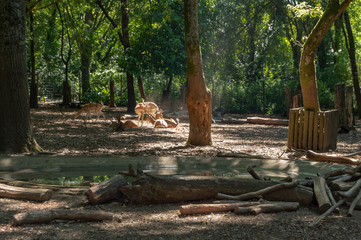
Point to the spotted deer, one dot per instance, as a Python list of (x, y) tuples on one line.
[(89, 109), (149, 108)]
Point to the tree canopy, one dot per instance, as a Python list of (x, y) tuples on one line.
[(251, 50)]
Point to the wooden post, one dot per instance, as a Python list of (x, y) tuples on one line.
[(349, 107)]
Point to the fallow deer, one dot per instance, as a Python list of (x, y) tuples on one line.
[(121, 126), (142, 108), (89, 109), (157, 123)]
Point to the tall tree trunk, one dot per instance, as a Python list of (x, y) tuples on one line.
[(307, 64), (86, 52), (199, 98), (352, 54), (33, 85), (166, 93), (15, 128), (141, 88), (124, 39), (85, 55), (126, 46), (111, 93)]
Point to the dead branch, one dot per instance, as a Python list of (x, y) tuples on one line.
[(326, 158), (25, 193), (328, 212), (251, 171), (353, 204), (212, 208), (268, 208), (352, 192), (353, 154), (38, 217), (258, 193)]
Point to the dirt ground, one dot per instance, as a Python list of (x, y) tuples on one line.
[(58, 134)]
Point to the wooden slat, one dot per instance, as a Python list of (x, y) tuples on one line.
[(291, 127), (295, 132), (310, 130), (315, 131), (305, 129), (300, 130), (327, 128), (321, 131)]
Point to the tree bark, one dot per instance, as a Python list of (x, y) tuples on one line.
[(106, 191), (212, 208), (25, 193), (141, 88), (199, 98), (307, 65), (111, 93), (33, 86), (16, 131), (323, 201), (352, 54), (39, 217)]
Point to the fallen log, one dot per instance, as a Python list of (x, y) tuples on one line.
[(25, 193), (267, 121), (327, 158), (258, 193), (107, 190), (319, 188), (267, 208), (213, 208), (150, 189), (38, 217), (233, 121)]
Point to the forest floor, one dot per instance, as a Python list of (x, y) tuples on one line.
[(57, 133)]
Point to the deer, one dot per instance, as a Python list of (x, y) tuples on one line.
[(160, 122), (90, 108), (121, 126), (142, 108), (157, 123)]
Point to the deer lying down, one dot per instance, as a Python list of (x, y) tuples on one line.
[(149, 108), (162, 122), (89, 109), (121, 126)]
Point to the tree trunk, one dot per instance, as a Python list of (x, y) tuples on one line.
[(16, 131), (166, 93), (124, 39), (141, 88), (85, 55), (352, 54), (33, 86), (307, 64), (199, 98), (111, 93)]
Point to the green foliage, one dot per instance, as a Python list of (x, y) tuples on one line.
[(251, 50)]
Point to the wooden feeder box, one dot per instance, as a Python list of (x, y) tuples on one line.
[(313, 130)]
